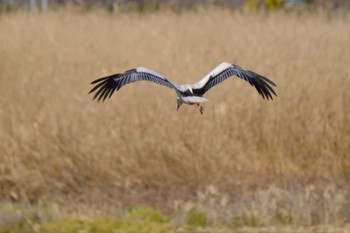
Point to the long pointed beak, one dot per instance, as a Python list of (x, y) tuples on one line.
[(178, 106)]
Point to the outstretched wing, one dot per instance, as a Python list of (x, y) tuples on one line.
[(226, 70), (106, 86)]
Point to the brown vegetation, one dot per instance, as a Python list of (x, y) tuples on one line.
[(59, 146)]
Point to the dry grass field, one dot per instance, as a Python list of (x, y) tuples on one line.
[(246, 161)]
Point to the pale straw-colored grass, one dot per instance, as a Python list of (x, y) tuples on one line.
[(57, 145)]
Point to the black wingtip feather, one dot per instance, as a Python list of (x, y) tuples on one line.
[(104, 87), (99, 80), (268, 81), (96, 87), (265, 88)]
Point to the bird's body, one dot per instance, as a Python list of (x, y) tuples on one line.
[(191, 94), (191, 100)]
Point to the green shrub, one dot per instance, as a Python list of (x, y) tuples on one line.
[(146, 213), (196, 219)]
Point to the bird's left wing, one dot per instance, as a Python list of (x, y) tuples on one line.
[(106, 86), (226, 70)]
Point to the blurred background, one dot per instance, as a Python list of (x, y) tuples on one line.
[(245, 162), (156, 4)]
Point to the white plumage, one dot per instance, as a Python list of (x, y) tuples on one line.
[(191, 94)]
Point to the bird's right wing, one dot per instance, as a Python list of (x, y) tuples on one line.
[(106, 86), (226, 70)]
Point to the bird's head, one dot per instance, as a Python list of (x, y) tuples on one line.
[(190, 89)]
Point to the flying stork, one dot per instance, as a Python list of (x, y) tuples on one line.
[(191, 94)]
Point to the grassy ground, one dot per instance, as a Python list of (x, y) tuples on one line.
[(244, 162), (53, 218)]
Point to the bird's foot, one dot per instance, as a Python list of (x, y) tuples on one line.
[(199, 107)]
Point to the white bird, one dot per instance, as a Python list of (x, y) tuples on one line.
[(191, 94)]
